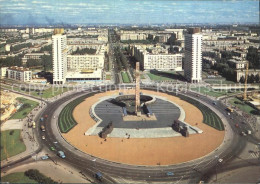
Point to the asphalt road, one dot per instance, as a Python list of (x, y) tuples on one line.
[(194, 170)]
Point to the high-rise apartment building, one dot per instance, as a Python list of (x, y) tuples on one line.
[(193, 55), (59, 54)]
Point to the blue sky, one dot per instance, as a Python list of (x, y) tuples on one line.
[(128, 11)]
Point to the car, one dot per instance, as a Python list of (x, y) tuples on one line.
[(220, 160), (52, 148), (61, 154), (43, 137), (45, 157), (243, 133), (170, 173)]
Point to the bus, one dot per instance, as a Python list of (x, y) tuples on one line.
[(33, 124), (229, 109)]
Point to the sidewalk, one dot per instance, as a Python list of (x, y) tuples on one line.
[(61, 172)]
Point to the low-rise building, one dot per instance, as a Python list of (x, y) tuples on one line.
[(87, 61), (19, 73), (39, 80), (35, 56), (7, 47), (3, 71), (151, 58), (133, 36), (238, 63), (241, 73), (84, 75)]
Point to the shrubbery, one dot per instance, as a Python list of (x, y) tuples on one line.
[(34, 174)]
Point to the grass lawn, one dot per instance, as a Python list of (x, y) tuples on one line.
[(26, 108), (66, 121), (11, 144), (47, 93), (204, 75), (242, 106), (50, 92), (125, 77), (142, 77), (18, 177), (108, 77), (209, 117), (220, 81), (164, 75), (211, 92)]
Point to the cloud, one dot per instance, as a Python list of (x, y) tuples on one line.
[(38, 2)]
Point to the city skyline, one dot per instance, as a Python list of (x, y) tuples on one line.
[(33, 12)]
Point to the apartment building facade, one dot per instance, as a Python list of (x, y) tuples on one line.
[(193, 56), (59, 54), (19, 73)]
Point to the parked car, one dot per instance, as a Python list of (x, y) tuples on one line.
[(45, 157), (52, 148), (43, 137), (170, 174), (243, 133)]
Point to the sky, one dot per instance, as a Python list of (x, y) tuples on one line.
[(26, 12)]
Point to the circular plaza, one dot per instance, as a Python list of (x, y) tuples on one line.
[(144, 140)]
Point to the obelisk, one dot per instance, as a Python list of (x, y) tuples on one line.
[(137, 90)]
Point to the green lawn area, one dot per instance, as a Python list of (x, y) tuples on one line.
[(66, 120), (108, 77), (11, 144), (211, 92), (2, 49), (125, 77), (209, 117), (26, 108), (242, 106), (204, 75), (220, 81), (163, 76), (50, 92), (18, 177)]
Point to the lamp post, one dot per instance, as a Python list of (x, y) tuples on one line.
[(218, 161), (94, 160)]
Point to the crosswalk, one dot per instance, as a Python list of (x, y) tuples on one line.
[(255, 154)]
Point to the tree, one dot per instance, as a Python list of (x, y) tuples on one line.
[(172, 39), (47, 62), (242, 79), (206, 66), (257, 78), (11, 61), (251, 78), (33, 62), (253, 58)]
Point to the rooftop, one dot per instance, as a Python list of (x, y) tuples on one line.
[(20, 69)]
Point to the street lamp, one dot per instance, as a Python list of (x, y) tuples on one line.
[(94, 160), (220, 160)]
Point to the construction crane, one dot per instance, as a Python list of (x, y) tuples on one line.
[(245, 88)]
